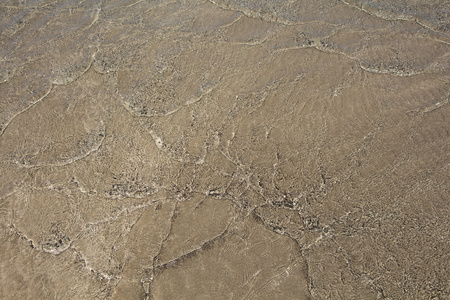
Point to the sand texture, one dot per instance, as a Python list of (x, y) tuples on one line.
[(224, 149)]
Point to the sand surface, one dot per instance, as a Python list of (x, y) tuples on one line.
[(224, 149)]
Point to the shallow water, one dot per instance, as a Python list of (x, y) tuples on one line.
[(224, 149)]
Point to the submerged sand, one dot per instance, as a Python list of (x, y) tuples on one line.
[(224, 149)]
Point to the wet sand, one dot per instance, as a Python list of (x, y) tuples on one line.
[(224, 149)]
